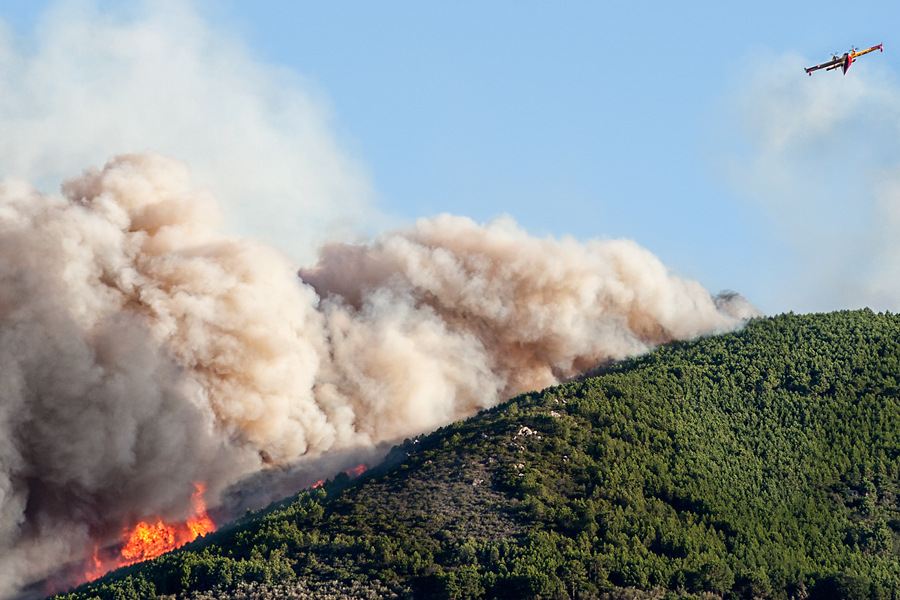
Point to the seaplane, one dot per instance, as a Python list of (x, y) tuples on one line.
[(843, 62)]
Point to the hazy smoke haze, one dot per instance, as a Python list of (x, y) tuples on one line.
[(89, 84), (142, 350), (820, 156)]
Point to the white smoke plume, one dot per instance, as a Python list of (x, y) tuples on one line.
[(141, 350)]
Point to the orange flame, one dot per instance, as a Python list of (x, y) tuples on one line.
[(149, 540), (357, 471), (97, 568), (353, 473)]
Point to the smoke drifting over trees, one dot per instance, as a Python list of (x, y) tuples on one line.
[(142, 350)]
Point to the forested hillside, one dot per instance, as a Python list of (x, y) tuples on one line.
[(762, 463)]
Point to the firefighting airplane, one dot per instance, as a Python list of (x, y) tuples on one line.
[(844, 61)]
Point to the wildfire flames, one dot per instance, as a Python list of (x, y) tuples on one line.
[(356, 471), (353, 473), (149, 540)]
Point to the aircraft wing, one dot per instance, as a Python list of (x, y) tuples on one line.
[(856, 53), (831, 64)]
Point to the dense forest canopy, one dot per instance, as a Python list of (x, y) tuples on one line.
[(762, 463)]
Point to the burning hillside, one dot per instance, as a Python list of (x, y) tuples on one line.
[(148, 540), (149, 361)]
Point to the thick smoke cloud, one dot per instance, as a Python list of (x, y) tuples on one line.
[(141, 350), (99, 427), (491, 311)]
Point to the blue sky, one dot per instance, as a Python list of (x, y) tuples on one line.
[(592, 119)]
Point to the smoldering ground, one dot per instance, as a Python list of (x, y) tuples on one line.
[(142, 350)]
